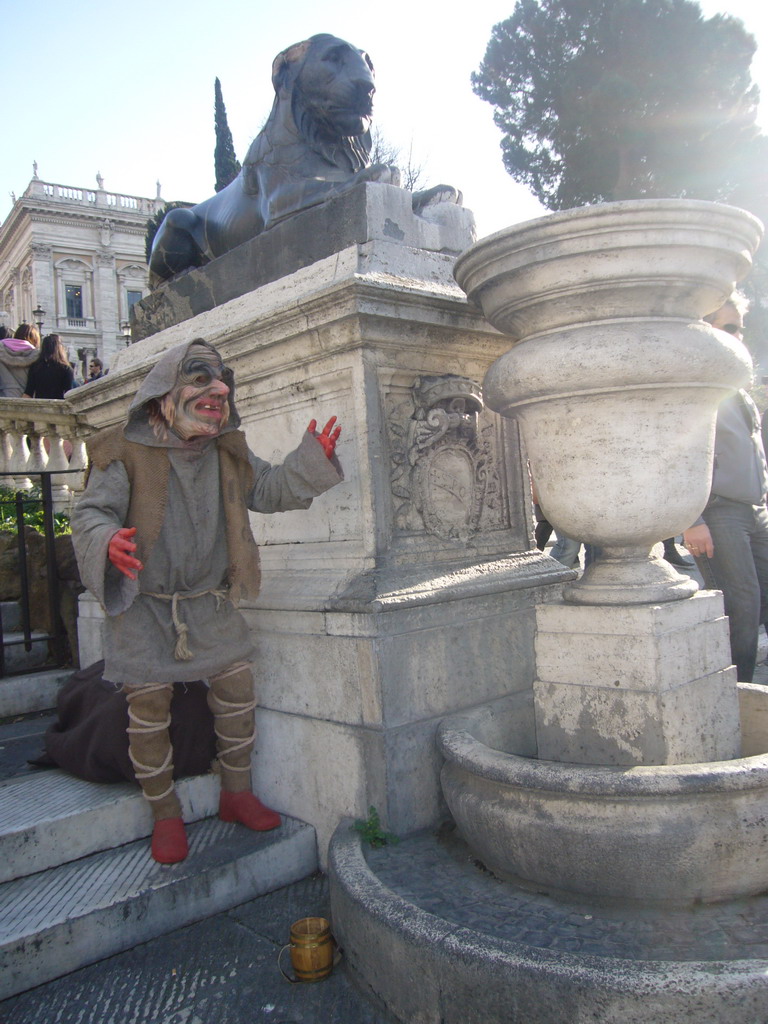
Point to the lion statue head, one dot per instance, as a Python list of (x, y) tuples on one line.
[(325, 87)]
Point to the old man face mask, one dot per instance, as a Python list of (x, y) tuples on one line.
[(197, 406)]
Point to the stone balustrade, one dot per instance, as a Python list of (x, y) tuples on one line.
[(38, 435), (94, 198)]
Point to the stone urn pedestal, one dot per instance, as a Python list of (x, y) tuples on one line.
[(615, 381)]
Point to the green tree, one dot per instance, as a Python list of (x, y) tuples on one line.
[(601, 100), (226, 163), (385, 152)]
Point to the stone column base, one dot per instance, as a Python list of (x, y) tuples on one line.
[(642, 684)]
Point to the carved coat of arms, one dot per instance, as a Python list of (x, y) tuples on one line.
[(443, 465)]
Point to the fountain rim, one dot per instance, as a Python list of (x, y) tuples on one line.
[(600, 217), (463, 749)]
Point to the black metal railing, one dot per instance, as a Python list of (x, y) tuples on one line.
[(56, 638)]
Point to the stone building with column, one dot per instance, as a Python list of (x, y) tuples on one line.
[(78, 255)]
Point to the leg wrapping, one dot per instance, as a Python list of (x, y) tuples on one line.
[(149, 746), (232, 703)]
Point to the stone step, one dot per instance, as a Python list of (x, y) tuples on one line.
[(59, 920), (22, 739), (11, 612), (37, 691), (18, 658), (52, 818)]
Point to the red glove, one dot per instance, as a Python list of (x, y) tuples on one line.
[(328, 437), (119, 552)]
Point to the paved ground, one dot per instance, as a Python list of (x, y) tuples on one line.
[(220, 971)]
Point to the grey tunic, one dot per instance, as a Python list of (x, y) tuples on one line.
[(190, 556)]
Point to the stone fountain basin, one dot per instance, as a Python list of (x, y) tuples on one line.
[(671, 833)]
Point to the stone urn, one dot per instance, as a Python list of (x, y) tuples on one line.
[(613, 376), (642, 787)]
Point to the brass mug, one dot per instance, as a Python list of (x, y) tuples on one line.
[(312, 950)]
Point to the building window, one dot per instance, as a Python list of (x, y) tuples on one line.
[(74, 295), (133, 297)]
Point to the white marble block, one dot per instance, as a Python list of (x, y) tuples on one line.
[(639, 684)]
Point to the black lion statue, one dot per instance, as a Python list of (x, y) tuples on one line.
[(315, 144)]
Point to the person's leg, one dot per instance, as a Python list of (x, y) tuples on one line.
[(543, 529), (232, 702), (673, 556), (566, 550), (732, 568), (591, 554), (149, 747)]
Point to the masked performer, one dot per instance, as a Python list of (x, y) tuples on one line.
[(162, 539)]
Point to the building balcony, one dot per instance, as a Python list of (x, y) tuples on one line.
[(91, 198), (79, 324)]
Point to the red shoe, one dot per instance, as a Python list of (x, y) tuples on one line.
[(248, 810), (169, 841)]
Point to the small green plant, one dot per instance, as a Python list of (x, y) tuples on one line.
[(33, 512), (371, 831)]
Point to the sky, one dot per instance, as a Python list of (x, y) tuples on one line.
[(127, 91)]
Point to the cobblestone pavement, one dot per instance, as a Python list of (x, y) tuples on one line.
[(440, 875), (220, 971)]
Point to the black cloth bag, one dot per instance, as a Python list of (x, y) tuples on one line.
[(89, 739)]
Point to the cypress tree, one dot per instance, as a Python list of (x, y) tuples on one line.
[(227, 165)]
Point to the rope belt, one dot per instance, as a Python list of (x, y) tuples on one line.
[(181, 651)]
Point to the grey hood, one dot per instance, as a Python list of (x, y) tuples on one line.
[(159, 382), (20, 359)]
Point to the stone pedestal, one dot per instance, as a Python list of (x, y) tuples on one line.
[(639, 684), (409, 590)]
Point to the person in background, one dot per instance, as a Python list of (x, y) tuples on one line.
[(16, 356), (95, 370), (730, 539), (51, 375), (27, 332)]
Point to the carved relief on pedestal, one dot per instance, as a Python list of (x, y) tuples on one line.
[(445, 465)]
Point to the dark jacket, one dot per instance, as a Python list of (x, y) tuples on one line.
[(48, 379)]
